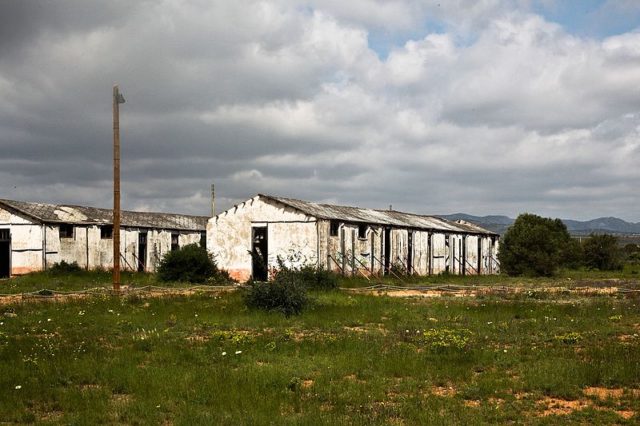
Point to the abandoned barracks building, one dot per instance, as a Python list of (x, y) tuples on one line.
[(248, 239), (34, 236)]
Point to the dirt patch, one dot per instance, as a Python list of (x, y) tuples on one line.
[(625, 414), (560, 407), (444, 391), (495, 401), (356, 329), (587, 289), (603, 393), (306, 384), (424, 293), (89, 387), (353, 378)]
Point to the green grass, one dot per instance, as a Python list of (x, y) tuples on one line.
[(81, 280), (351, 359), (91, 279)]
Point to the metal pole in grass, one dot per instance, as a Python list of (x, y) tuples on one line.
[(117, 100)]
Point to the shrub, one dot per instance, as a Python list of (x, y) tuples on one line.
[(63, 267), (309, 276), (190, 263), (285, 294), (601, 252), (534, 246)]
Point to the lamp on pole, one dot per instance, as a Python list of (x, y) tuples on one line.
[(117, 100)]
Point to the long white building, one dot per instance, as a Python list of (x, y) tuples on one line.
[(248, 239), (34, 236)]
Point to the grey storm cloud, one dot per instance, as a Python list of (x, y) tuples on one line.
[(499, 111)]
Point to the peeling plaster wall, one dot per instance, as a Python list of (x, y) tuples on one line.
[(300, 239), (290, 234), (29, 240), (26, 243)]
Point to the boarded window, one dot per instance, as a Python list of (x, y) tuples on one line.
[(174, 242), (106, 232), (334, 228), (66, 231), (362, 231)]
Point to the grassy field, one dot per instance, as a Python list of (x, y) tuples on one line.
[(351, 359), (629, 277)]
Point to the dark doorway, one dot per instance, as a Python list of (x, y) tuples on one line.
[(410, 253), (479, 255), (5, 253), (142, 251), (259, 250), (387, 250)]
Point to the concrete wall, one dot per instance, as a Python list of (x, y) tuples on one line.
[(30, 240)]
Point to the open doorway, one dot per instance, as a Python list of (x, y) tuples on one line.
[(410, 253), (142, 251), (259, 250), (387, 250), (5, 253)]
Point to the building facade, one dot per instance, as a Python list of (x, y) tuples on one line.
[(251, 238), (34, 236)]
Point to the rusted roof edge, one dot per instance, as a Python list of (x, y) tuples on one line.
[(283, 201)]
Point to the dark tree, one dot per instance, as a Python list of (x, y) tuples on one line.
[(602, 252), (535, 246)]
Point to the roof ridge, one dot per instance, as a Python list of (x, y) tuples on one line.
[(4, 200)]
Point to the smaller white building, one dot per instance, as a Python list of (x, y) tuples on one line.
[(34, 236), (248, 239)]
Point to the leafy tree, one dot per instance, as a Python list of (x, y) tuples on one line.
[(602, 252), (534, 246), (573, 254), (631, 253)]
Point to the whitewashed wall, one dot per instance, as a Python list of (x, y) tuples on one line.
[(290, 235), (30, 240), (26, 243)]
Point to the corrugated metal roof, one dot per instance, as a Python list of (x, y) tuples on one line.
[(61, 213), (379, 217)]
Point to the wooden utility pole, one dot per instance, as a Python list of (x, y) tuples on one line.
[(117, 100)]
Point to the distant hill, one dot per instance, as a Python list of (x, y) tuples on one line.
[(609, 225)]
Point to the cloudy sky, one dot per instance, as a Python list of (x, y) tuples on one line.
[(443, 106)]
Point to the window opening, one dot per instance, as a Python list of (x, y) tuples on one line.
[(66, 230), (334, 227), (106, 232)]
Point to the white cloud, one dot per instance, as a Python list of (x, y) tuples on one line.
[(499, 112)]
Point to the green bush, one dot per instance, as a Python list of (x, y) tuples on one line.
[(309, 276), (285, 294), (534, 246), (191, 263), (63, 267), (602, 252)]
